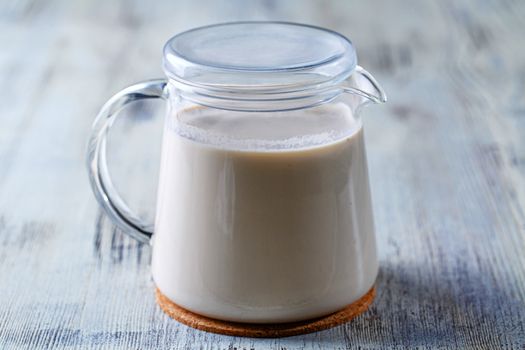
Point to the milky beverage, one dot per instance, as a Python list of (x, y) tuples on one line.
[(264, 218)]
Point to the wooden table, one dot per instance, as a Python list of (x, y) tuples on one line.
[(446, 158)]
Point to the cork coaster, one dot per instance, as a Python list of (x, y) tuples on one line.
[(264, 330)]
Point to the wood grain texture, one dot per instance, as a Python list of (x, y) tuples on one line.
[(446, 157)]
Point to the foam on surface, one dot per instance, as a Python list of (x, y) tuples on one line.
[(266, 131)]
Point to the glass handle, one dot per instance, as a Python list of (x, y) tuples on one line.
[(105, 193)]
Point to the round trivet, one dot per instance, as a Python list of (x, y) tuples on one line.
[(264, 330)]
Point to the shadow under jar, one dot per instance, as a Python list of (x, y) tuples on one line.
[(263, 207)]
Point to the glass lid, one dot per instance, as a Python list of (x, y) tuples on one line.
[(259, 56)]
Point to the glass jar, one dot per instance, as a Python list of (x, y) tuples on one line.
[(264, 212)]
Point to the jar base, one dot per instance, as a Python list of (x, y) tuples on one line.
[(253, 330)]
